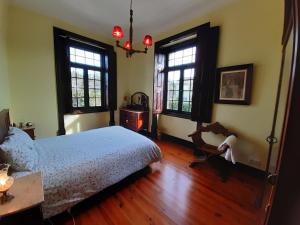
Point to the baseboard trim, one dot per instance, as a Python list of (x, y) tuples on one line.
[(252, 171)]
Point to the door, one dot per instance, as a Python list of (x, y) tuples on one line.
[(283, 205)]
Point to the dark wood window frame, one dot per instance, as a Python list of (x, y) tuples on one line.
[(177, 47), (103, 69), (62, 40)]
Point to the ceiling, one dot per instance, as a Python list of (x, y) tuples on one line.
[(99, 16)]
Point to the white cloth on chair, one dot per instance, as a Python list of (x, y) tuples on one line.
[(230, 153)]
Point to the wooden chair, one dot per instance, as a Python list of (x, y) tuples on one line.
[(208, 150)]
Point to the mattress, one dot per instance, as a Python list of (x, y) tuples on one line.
[(75, 167)]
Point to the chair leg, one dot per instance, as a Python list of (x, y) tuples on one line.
[(199, 160)]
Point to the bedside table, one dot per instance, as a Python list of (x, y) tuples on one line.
[(25, 207), (29, 131)]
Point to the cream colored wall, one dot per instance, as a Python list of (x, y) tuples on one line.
[(32, 73), (4, 80), (250, 33)]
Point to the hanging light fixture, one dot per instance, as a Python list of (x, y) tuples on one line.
[(118, 34)]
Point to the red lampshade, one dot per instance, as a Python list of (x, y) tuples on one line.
[(117, 32), (127, 45), (147, 40)]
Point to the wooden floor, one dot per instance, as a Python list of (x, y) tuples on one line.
[(173, 193)]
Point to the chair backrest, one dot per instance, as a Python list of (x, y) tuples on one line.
[(215, 128)]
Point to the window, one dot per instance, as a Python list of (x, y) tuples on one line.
[(88, 70), (85, 75), (179, 73)]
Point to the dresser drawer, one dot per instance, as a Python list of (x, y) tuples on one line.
[(134, 120)]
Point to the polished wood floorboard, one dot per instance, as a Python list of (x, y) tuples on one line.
[(174, 194)]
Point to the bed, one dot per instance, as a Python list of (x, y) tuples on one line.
[(75, 167)]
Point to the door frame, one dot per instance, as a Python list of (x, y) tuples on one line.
[(284, 205)]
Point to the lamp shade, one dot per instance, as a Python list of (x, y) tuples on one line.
[(127, 45), (117, 32), (147, 40)]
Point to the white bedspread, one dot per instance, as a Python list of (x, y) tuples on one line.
[(77, 166)]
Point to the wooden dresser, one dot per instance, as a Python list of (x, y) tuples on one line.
[(136, 120)]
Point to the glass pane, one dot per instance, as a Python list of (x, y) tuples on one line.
[(91, 84), (189, 74), (92, 102), (91, 74), (80, 93), (72, 58), (80, 59), (74, 93), (72, 51), (74, 102), (90, 62), (181, 57), (185, 106), (169, 105), (186, 96), (170, 95), (97, 63), (85, 57), (176, 95), (89, 55), (176, 85), (80, 83), (74, 83), (98, 101), (98, 93), (170, 85), (79, 52), (92, 94), (80, 102), (97, 75), (175, 105), (187, 85), (97, 84), (79, 73)]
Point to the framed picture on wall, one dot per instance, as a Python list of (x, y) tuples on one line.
[(234, 84)]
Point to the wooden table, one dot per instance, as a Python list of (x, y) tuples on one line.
[(25, 207)]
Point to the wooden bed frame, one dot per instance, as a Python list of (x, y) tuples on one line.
[(4, 125)]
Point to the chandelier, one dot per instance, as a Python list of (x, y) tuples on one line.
[(118, 34)]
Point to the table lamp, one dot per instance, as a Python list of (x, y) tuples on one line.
[(5, 184)]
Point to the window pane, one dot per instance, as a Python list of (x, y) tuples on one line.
[(98, 93), (85, 57), (97, 75), (74, 102), (91, 83), (80, 102), (175, 105), (186, 96), (92, 93), (80, 93), (187, 85), (189, 74), (91, 74), (80, 83), (181, 57), (79, 73), (98, 101), (186, 106), (92, 102), (97, 84)]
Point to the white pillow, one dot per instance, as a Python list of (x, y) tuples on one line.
[(19, 151)]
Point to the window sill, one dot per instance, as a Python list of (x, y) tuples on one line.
[(86, 111), (179, 115)]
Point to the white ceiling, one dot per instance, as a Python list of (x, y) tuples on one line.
[(99, 16)]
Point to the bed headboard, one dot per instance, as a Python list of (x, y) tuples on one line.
[(4, 124)]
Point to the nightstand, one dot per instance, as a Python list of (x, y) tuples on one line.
[(29, 131), (25, 207)]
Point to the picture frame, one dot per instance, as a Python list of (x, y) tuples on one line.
[(234, 84)]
